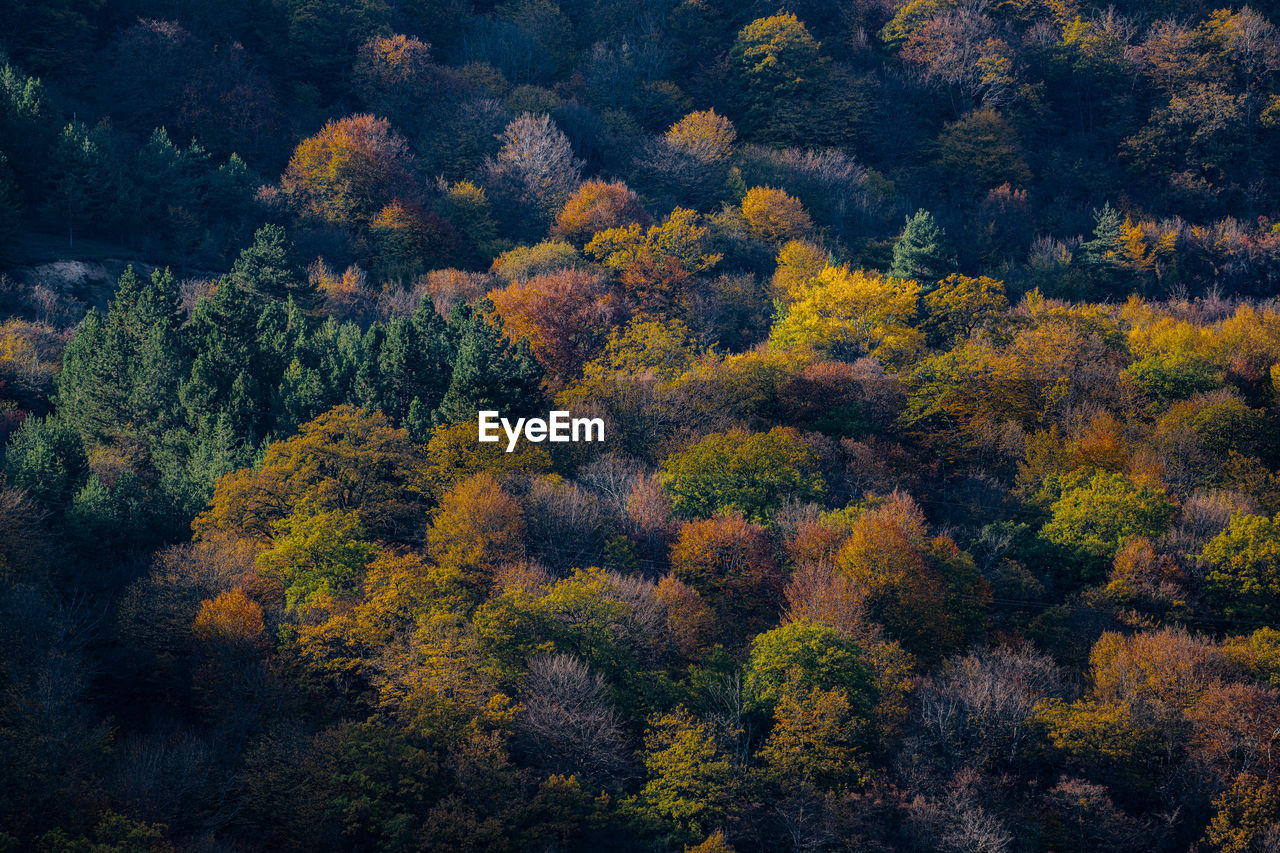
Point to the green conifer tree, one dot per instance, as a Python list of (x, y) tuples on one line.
[(1101, 254), (10, 210), (268, 270), (489, 371), (923, 252)]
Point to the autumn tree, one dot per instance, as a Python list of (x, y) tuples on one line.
[(614, 623), (690, 781), (798, 263), (738, 471), (926, 592), (454, 455), (960, 304), (469, 212), (800, 656), (346, 460), (476, 530), (1095, 516), (816, 743), (960, 49), (535, 169), (979, 152), (596, 206), (1244, 566), (565, 316), (729, 563), (349, 171), (1257, 654), (689, 619), (656, 267), (984, 707), (394, 76), (776, 61), (775, 217), (318, 557), (397, 591), (567, 723), (1244, 814), (409, 241), (689, 164), (851, 313), (231, 621)]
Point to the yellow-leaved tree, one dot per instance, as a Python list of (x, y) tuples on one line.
[(849, 313)]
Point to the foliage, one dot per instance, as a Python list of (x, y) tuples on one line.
[(790, 661), (349, 171), (728, 562), (345, 461), (774, 216), (924, 590), (952, 534), (743, 472), (475, 531), (689, 779), (595, 207), (318, 557), (776, 60), (1244, 566), (851, 313), (922, 252), (1095, 516), (535, 169)]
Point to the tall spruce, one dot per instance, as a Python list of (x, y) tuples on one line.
[(923, 252), (489, 372)]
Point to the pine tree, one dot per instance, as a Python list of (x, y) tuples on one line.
[(923, 252), (301, 396), (46, 459), (121, 371), (489, 371), (240, 351), (28, 128), (190, 464), (10, 209), (411, 361), (1100, 252), (268, 270)]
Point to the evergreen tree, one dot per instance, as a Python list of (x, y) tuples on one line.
[(409, 359), (27, 127), (240, 351), (923, 252), (1108, 236), (10, 210), (268, 268), (489, 371), (172, 187), (1101, 254), (46, 458), (121, 371), (190, 464), (85, 186)]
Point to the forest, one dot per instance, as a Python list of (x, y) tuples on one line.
[(937, 349)]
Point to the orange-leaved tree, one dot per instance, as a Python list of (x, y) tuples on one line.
[(349, 171)]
